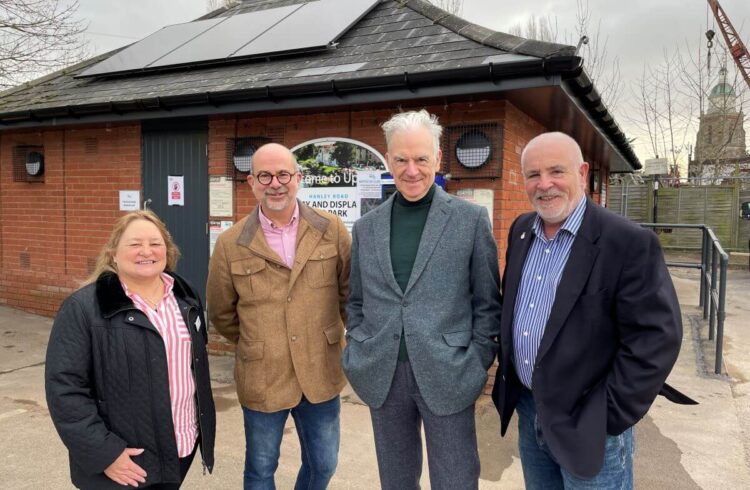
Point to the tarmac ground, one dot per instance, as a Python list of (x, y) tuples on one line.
[(706, 446)]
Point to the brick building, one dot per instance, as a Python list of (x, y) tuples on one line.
[(70, 142)]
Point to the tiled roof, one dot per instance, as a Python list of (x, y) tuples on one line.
[(392, 39), (398, 47)]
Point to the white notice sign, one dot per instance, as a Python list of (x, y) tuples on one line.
[(220, 196), (130, 200), (369, 185), (216, 228), (482, 197), (176, 190)]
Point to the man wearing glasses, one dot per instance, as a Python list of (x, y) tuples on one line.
[(277, 286)]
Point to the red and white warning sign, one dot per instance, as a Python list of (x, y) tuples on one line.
[(176, 190)]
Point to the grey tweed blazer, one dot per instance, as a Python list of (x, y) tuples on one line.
[(450, 311)]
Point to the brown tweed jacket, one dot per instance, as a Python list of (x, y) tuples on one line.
[(287, 324)]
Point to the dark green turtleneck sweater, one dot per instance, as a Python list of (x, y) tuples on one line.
[(407, 223)]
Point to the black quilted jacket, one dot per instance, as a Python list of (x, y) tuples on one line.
[(107, 386)]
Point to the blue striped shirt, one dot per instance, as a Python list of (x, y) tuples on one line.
[(541, 275)]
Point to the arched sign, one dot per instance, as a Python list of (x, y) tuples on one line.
[(341, 176)]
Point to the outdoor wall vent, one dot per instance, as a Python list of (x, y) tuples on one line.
[(240, 153), (91, 145), (473, 151), (35, 163), (24, 260), (28, 163), (243, 156)]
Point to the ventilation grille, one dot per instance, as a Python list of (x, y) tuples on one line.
[(243, 148), (473, 151), (20, 154), (91, 145), (24, 259)]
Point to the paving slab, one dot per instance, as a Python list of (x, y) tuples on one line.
[(678, 447)]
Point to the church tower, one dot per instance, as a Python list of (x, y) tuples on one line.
[(721, 135)]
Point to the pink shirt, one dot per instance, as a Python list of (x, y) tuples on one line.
[(168, 320), (282, 240)]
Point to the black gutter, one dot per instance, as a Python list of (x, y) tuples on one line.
[(584, 91), (566, 69), (342, 87)]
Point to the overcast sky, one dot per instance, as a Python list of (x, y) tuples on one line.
[(637, 31)]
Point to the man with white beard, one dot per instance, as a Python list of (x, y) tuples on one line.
[(590, 327)]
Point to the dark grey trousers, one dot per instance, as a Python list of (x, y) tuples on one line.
[(452, 455)]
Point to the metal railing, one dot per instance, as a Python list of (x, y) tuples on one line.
[(713, 293)]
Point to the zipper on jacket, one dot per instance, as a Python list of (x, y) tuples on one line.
[(195, 380), (153, 409)]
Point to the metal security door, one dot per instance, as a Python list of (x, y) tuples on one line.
[(179, 149)]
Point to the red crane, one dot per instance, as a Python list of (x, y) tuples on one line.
[(736, 47)]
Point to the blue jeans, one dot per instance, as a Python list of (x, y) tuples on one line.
[(541, 471), (318, 431)]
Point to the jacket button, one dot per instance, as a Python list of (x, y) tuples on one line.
[(130, 318), (396, 336), (247, 271), (288, 299), (294, 338)]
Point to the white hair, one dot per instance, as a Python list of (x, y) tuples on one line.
[(406, 121)]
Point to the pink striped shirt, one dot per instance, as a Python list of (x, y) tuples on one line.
[(282, 240), (168, 320)]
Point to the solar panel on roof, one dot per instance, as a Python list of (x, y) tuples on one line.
[(234, 33), (315, 25), (301, 27), (138, 56)]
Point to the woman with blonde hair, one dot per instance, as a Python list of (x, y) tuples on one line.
[(127, 377)]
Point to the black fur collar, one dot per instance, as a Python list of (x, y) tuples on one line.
[(112, 298)]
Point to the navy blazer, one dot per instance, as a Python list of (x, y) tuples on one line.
[(612, 337)]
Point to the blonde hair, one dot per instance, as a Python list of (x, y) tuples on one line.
[(105, 262)]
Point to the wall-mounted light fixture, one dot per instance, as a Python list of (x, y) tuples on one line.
[(28, 163), (243, 156), (473, 149), (34, 163)]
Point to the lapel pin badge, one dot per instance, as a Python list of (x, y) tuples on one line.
[(523, 235), (198, 323)]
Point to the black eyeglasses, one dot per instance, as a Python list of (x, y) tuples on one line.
[(266, 178)]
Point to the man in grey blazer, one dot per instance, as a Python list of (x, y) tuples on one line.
[(423, 315)]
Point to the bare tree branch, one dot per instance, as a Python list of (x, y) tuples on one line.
[(38, 36), (604, 72), (454, 7)]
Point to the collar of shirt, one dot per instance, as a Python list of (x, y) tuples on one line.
[(270, 227), (166, 279), (571, 224)]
